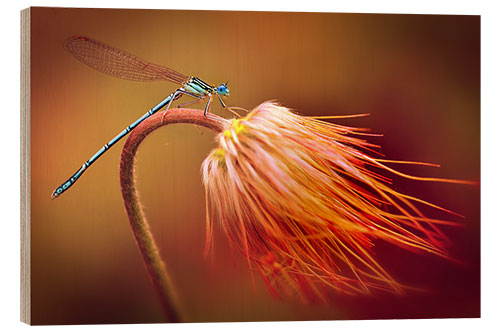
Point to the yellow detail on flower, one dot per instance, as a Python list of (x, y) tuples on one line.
[(236, 127), (220, 155)]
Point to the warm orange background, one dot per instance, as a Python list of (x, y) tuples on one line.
[(418, 76)]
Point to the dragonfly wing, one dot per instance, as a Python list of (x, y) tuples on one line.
[(115, 62)]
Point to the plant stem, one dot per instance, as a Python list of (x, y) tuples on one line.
[(140, 227)]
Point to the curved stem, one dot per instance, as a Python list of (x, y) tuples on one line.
[(140, 227)]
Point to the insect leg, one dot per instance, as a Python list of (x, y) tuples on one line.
[(230, 109), (207, 107), (175, 95), (190, 102)]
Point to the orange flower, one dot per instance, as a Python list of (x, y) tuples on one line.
[(303, 202)]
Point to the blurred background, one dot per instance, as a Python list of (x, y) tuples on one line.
[(417, 75)]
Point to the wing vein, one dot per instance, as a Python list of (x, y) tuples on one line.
[(118, 63)]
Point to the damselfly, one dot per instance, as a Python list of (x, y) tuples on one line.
[(115, 62)]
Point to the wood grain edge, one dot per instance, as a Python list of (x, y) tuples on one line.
[(25, 167)]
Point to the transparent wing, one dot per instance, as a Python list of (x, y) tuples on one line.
[(115, 62)]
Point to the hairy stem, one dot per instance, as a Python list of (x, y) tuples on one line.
[(140, 227)]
